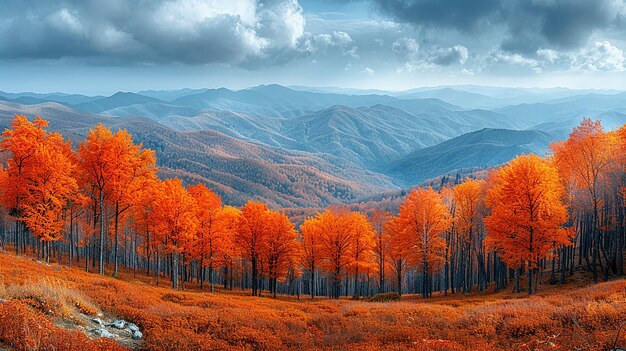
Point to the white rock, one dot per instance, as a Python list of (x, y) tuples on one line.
[(137, 335), (119, 324), (101, 332), (133, 327), (97, 320), (2, 300)]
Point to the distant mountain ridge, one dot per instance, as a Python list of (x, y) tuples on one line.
[(298, 147), (484, 148)]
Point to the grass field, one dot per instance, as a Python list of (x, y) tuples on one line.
[(57, 302)]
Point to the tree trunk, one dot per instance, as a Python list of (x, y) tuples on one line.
[(530, 281), (115, 254), (175, 270), (101, 257)]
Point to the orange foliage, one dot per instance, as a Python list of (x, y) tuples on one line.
[(527, 212), (421, 222), (175, 222)]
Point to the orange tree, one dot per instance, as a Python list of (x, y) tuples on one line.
[(362, 247), (39, 178), (310, 248), (467, 199), (21, 142), (527, 213), (585, 160), (422, 220), (174, 217), (280, 247), (209, 239), (252, 231), (379, 220)]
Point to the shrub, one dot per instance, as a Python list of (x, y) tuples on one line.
[(385, 297)]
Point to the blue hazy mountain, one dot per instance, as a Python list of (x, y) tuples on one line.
[(483, 148)]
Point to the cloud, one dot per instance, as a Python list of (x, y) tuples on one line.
[(457, 54), (408, 50), (527, 25), (602, 56), (314, 43), (598, 56), (166, 31), (458, 14), (510, 59), (368, 71)]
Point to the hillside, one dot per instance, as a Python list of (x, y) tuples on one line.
[(236, 169), (563, 319), (566, 109), (299, 148), (484, 148)]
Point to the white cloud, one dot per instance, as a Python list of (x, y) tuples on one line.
[(508, 59), (352, 52), (456, 54), (548, 55), (601, 56), (368, 71), (406, 48)]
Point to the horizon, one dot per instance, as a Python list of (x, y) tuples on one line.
[(345, 90)]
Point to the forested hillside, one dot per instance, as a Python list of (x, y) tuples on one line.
[(103, 201)]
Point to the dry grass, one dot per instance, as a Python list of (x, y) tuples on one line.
[(566, 318), (52, 296), (23, 328)]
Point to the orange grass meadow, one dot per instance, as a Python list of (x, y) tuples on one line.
[(580, 318)]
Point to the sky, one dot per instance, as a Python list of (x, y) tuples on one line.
[(104, 46)]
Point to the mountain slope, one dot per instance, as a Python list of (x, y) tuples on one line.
[(374, 136), (456, 97), (116, 100), (236, 169), (564, 108), (483, 148)]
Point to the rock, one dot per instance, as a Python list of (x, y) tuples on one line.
[(97, 320), (2, 300), (137, 335), (101, 332), (133, 327), (119, 324)]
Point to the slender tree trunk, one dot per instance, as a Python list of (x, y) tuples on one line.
[(175, 270), (17, 239), (312, 283), (530, 281), (117, 217), (211, 277), (101, 257)]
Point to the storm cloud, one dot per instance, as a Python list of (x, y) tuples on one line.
[(168, 31), (528, 24)]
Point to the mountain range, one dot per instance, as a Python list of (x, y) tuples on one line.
[(309, 147)]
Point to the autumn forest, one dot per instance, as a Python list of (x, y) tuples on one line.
[(99, 205)]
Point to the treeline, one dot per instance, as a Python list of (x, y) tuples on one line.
[(100, 205)]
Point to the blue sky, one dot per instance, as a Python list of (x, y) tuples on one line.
[(102, 46)]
